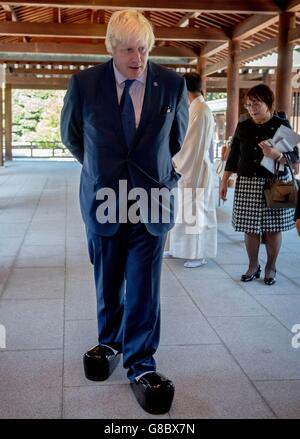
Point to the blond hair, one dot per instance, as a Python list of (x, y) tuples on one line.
[(126, 24)]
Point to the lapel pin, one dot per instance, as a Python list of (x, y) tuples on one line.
[(155, 84)]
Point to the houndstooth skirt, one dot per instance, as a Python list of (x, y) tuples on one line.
[(250, 211)]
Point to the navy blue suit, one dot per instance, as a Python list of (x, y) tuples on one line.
[(130, 254)]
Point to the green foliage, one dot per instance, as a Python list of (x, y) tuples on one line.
[(36, 115), (211, 96)]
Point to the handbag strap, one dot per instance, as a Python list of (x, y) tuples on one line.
[(289, 164)]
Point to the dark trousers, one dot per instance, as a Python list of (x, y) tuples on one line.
[(127, 269)]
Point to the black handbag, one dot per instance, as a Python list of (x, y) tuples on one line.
[(280, 194)]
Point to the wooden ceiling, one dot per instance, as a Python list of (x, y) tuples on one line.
[(64, 32)]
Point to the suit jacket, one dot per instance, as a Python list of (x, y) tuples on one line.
[(91, 128)]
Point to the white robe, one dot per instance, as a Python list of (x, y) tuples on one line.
[(193, 162)]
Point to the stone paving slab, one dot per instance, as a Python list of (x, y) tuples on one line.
[(31, 384), (32, 324), (35, 283), (282, 396), (261, 345), (209, 384)]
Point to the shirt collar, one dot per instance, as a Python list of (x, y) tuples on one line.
[(121, 78)]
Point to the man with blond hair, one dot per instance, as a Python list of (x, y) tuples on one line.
[(123, 121)]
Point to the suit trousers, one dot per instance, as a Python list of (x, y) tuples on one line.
[(127, 271)]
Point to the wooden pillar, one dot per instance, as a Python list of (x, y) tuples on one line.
[(285, 63), (8, 123), (1, 126), (2, 82), (201, 67), (232, 112), (268, 80)]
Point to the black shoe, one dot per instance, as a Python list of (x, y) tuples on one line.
[(250, 277), (154, 392), (270, 280), (99, 362)]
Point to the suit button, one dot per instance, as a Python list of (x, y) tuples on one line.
[(254, 161), (256, 137)]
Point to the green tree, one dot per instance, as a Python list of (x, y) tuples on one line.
[(36, 115), (211, 96)]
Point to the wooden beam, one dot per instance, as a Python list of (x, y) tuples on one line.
[(86, 49), (245, 55), (13, 17), (241, 31), (68, 30), (222, 83), (9, 9), (32, 63), (259, 50), (190, 34), (294, 35), (211, 49), (56, 15), (54, 48), (213, 68), (45, 86), (13, 81), (220, 6), (252, 25), (65, 71), (23, 72), (267, 46), (184, 22), (293, 6)]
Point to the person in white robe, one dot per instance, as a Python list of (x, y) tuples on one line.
[(194, 236)]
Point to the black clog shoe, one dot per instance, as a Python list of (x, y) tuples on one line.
[(154, 392), (99, 362)]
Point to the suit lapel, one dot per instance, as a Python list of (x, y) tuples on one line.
[(151, 101), (111, 97)]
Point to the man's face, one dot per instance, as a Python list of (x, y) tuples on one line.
[(131, 58)]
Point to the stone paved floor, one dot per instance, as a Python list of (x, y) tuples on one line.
[(226, 345)]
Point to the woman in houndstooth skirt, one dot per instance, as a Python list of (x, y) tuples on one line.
[(250, 212)]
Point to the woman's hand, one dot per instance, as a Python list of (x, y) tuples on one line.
[(298, 226), (224, 185), (223, 189), (224, 153), (269, 151)]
